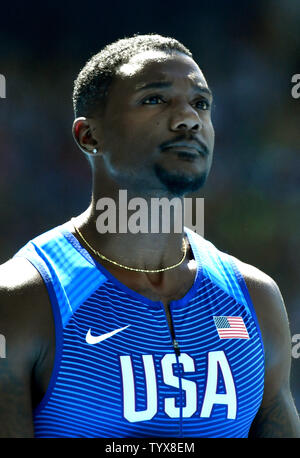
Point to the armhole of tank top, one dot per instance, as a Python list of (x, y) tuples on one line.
[(42, 269), (247, 297)]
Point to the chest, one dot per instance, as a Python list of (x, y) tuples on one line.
[(128, 381)]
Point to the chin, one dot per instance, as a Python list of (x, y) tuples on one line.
[(179, 184)]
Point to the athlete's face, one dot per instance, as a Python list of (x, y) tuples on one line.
[(156, 132)]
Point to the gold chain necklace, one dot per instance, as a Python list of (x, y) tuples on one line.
[(126, 267)]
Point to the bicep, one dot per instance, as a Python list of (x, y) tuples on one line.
[(15, 372), (15, 400), (17, 362), (277, 416)]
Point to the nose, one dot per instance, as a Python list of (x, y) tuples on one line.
[(185, 118)]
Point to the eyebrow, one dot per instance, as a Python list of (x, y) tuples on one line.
[(166, 84)]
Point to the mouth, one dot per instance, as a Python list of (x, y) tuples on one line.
[(186, 150)]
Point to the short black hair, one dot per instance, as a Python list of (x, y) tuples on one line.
[(92, 82)]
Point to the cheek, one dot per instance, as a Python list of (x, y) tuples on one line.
[(117, 134), (133, 133), (210, 134)]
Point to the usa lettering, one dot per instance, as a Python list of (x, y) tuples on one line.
[(217, 361)]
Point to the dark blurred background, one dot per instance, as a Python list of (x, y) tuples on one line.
[(248, 51)]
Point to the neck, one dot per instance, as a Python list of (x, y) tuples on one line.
[(156, 247)]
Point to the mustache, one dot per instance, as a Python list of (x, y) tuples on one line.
[(183, 138)]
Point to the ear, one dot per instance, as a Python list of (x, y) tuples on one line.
[(83, 137)]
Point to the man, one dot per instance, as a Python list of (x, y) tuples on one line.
[(141, 334)]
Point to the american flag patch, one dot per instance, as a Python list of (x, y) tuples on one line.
[(231, 327)]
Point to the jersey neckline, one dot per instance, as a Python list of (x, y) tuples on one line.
[(65, 229)]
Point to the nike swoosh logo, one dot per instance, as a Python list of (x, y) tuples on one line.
[(92, 340)]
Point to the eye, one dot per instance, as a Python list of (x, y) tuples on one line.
[(202, 104), (153, 100)]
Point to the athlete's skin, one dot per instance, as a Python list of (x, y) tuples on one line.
[(128, 135)]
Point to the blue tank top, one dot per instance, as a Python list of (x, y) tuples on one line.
[(116, 373)]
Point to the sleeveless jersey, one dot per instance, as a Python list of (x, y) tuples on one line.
[(116, 373)]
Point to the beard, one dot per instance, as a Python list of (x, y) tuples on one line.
[(179, 184)]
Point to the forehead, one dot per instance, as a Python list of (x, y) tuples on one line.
[(161, 66)]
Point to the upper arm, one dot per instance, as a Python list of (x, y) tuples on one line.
[(277, 416), (18, 326), (15, 379)]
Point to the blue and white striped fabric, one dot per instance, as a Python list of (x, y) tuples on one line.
[(131, 383)]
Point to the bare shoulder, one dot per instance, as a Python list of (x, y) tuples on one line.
[(24, 305), (24, 300), (265, 294), (17, 274), (256, 279)]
